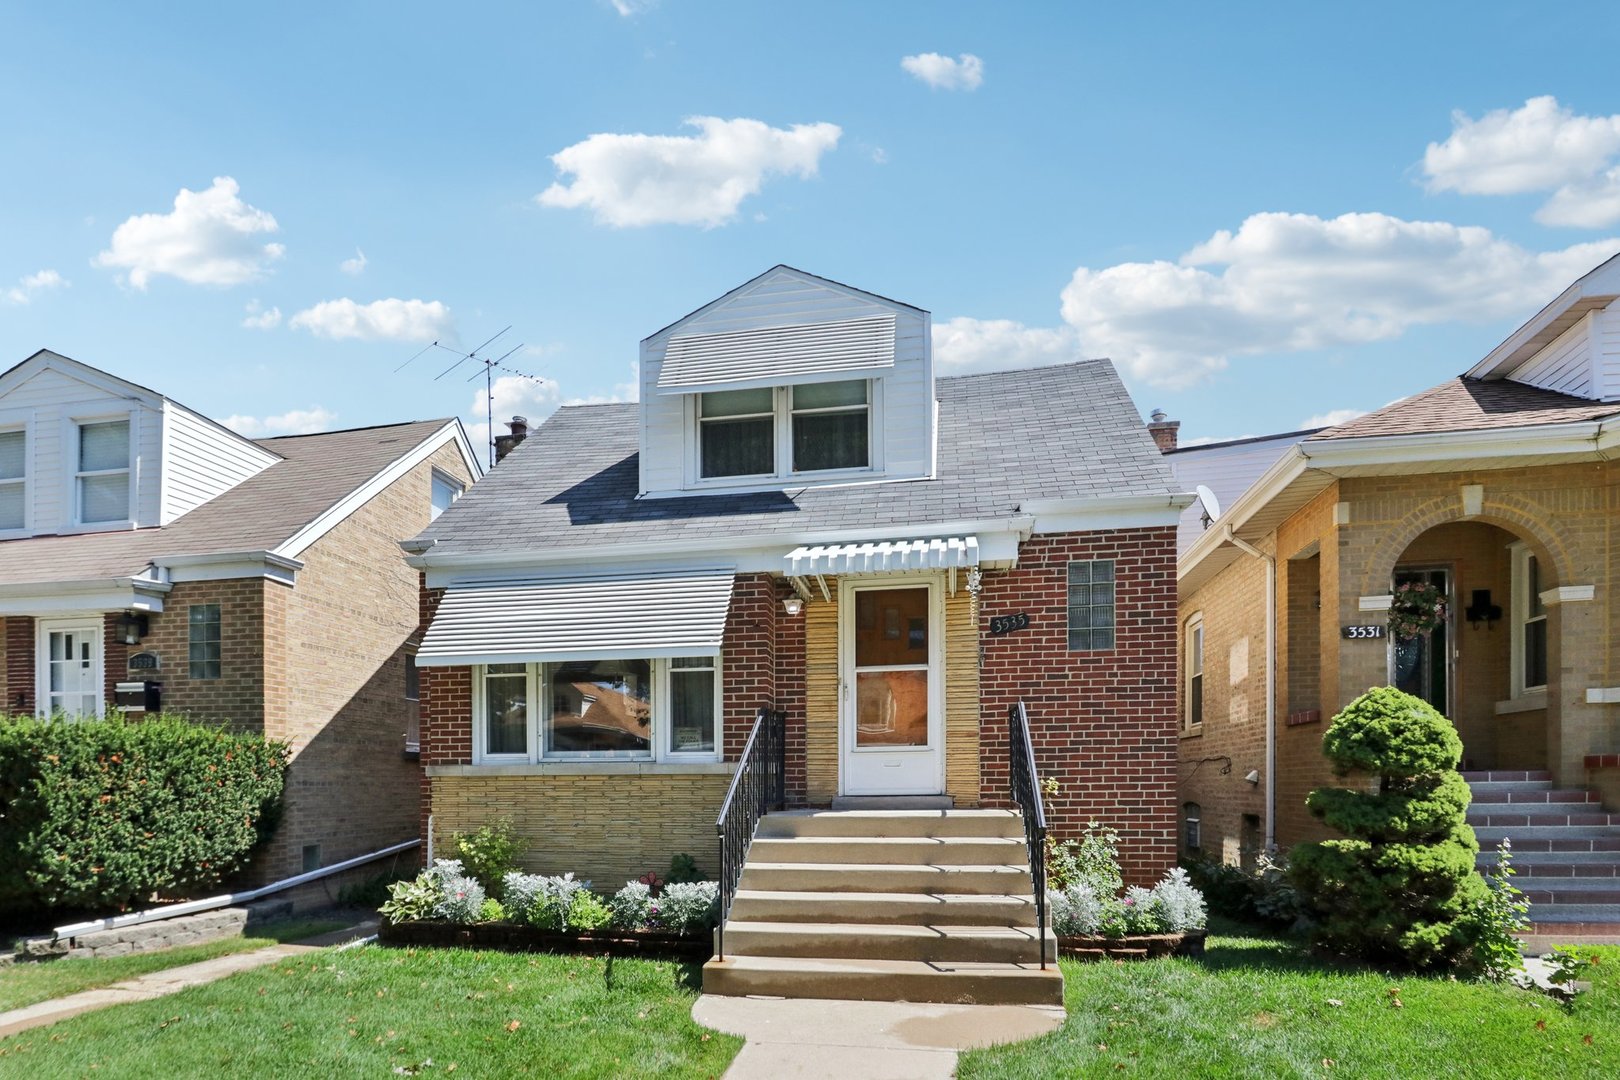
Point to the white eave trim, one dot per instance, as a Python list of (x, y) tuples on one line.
[(1108, 512), (90, 595), (224, 566), (334, 515), (1598, 284)]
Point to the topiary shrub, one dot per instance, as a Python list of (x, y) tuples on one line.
[(1401, 887), (98, 815)]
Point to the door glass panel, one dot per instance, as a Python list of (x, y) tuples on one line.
[(891, 708), (71, 674), (891, 627), (1422, 664)]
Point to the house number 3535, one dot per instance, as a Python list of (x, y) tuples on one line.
[(1006, 624)]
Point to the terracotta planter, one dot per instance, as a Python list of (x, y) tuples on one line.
[(1131, 947), (513, 937)]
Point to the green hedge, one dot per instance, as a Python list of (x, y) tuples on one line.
[(100, 814)]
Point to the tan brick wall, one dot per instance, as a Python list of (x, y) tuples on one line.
[(607, 828)]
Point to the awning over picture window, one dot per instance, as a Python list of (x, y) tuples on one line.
[(949, 553), (778, 355), (583, 616)]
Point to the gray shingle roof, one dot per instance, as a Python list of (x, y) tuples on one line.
[(1465, 404), (1065, 431), (316, 472)]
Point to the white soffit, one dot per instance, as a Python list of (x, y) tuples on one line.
[(884, 557), (587, 616), (777, 355)]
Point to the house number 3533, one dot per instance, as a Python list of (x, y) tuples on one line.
[(1006, 624)]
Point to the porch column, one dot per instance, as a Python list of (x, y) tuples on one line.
[(1575, 727)]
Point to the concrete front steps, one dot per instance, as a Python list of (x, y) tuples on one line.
[(1566, 848), (887, 905)]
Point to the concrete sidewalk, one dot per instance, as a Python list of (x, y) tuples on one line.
[(170, 981), (805, 1039)]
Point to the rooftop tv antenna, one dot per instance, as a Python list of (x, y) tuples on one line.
[(488, 367)]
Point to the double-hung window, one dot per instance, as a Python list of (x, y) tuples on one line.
[(786, 431), (1091, 605), (101, 484), (1529, 624), (1194, 660), (13, 479), (621, 709)]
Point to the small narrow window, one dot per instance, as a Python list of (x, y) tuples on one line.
[(1535, 628), (1091, 605), (312, 858), (1195, 672), (13, 479), (103, 475), (413, 678), (446, 490), (737, 433), (202, 645), (831, 426), (506, 709), (691, 705)]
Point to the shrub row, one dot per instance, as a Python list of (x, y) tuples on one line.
[(102, 814)]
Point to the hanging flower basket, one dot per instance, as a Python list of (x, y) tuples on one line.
[(1419, 607)]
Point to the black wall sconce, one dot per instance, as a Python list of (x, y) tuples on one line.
[(1481, 610), (132, 626)]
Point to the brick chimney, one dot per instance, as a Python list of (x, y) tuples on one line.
[(1163, 431), (505, 444)]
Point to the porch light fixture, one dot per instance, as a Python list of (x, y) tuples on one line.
[(1482, 610), (132, 626), (793, 606), (1252, 777)]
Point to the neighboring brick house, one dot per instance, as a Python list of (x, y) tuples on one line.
[(798, 515), (1500, 492), (257, 582)]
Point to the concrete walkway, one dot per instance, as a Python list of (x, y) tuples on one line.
[(874, 1040), (162, 983)]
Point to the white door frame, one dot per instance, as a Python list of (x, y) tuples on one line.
[(43, 629), (847, 751)]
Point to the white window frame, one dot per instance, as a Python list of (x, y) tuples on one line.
[(537, 689), (9, 424), (782, 413), (70, 436), (1193, 630), (1520, 606), (441, 479), (43, 628)]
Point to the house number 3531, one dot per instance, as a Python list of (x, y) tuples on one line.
[(1006, 624)]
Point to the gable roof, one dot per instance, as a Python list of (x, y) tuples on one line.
[(316, 473), (1005, 438), (780, 270), (1468, 404)]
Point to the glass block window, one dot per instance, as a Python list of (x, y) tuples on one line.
[(203, 643), (1091, 605)]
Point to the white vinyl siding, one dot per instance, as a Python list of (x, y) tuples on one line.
[(777, 355), (202, 461), (1565, 365)]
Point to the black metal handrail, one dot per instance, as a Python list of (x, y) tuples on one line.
[(759, 785), (1026, 795)]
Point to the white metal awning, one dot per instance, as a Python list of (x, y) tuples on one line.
[(778, 355), (585, 616), (819, 561)]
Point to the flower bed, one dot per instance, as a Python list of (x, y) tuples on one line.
[(1131, 946), (515, 937)]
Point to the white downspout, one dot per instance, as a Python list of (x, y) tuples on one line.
[(1271, 682)]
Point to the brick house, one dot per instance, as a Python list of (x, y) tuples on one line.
[(1496, 493), (799, 516), (258, 582)]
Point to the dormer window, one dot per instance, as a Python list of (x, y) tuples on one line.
[(790, 430), (13, 479), (102, 480)]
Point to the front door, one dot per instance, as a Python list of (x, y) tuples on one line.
[(890, 651), (70, 668), (1421, 665)]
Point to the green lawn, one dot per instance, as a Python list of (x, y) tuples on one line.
[(370, 1011), (1256, 1006), (25, 984)]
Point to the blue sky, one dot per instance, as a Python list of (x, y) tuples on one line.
[(1264, 214)]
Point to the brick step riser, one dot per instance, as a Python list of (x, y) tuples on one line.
[(1552, 845), (1533, 799), (1034, 988), (1497, 776), (1542, 894), (823, 879), (1584, 871), (1541, 819), (1489, 835), (813, 942), (920, 851), (833, 908)]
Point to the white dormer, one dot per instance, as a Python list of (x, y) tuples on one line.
[(84, 451), (1572, 345), (786, 381)]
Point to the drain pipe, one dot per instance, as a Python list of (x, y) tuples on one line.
[(1271, 682)]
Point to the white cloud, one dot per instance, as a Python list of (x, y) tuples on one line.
[(296, 422), (700, 179), (356, 266), (880, 156), (963, 345), (632, 8), (380, 320), (966, 72), (513, 395), (1331, 418), (261, 318), (31, 285), (1541, 146), (1292, 282), (212, 237)]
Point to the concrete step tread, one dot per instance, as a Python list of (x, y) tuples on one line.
[(891, 823), (1507, 776), (879, 843), (966, 982), (1497, 794), (887, 941), (925, 968), (893, 930), (1526, 814), (942, 899), (892, 868)]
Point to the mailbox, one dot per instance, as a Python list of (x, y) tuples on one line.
[(135, 697)]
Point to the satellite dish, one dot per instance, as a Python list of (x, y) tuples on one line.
[(1212, 505)]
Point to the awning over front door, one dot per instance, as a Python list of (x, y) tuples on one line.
[(583, 616), (949, 553)]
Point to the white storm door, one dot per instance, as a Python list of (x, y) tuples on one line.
[(890, 690), (69, 677)]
